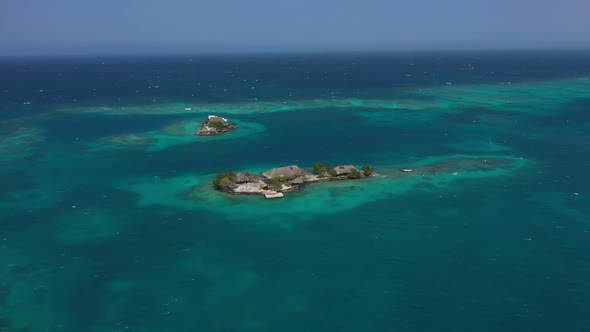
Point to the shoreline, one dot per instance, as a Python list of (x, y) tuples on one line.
[(275, 182)]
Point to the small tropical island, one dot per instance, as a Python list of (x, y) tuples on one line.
[(273, 183), (215, 125)]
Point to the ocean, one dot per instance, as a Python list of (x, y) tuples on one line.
[(109, 220)]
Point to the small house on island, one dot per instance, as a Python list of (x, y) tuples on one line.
[(215, 125), (344, 169), (287, 172), (245, 176), (273, 183)]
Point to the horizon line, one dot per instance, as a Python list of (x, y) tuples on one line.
[(292, 52)]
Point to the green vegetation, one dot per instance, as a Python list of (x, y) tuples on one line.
[(217, 125), (225, 181), (368, 170), (274, 184), (321, 169), (228, 181), (354, 174)]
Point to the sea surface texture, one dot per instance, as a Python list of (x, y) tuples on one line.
[(109, 220)]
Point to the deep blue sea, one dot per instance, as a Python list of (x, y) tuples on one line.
[(109, 220)]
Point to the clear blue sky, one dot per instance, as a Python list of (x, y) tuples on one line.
[(136, 26)]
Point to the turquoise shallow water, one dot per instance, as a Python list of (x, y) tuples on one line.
[(490, 235)]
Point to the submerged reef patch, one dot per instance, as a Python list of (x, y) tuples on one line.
[(128, 141), (19, 141), (196, 191), (176, 133), (507, 98)]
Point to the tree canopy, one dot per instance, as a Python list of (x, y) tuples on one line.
[(354, 174), (368, 170), (321, 169), (225, 181)]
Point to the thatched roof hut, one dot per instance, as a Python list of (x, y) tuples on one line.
[(287, 172), (245, 176), (344, 169)]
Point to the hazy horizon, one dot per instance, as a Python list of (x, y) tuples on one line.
[(149, 50), (66, 27)]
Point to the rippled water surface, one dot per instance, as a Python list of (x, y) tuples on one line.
[(109, 221)]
